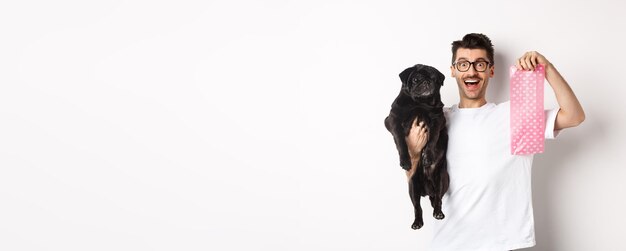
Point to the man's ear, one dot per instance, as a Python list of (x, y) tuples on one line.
[(452, 71), (492, 71)]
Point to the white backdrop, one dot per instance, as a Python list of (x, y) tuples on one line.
[(249, 125)]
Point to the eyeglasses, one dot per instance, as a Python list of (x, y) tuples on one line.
[(479, 66)]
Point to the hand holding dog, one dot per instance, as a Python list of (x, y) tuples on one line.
[(416, 140)]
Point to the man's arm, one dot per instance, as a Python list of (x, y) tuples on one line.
[(571, 113), (416, 140)]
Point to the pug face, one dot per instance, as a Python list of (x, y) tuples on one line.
[(421, 81)]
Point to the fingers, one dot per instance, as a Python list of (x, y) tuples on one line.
[(419, 133), (418, 130), (417, 138), (533, 60), (530, 60), (527, 61), (421, 128), (422, 137), (416, 125)]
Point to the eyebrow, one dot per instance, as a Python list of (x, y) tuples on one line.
[(477, 60)]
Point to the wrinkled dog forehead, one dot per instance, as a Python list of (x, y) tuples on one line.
[(426, 71), (420, 70)]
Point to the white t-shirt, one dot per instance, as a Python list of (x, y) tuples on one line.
[(488, 205)]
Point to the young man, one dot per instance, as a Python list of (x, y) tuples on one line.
[(488, 205)]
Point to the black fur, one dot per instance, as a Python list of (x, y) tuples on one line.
[(420, 99)]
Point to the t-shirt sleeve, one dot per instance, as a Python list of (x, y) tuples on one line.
[(550, 120)]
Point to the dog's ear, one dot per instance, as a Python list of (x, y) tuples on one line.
[(441, 77), (404, 75)]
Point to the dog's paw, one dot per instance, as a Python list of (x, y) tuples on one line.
[(438, 215), (417, 224), (406, 165)]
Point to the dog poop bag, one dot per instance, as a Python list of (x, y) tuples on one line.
[(527, 114)]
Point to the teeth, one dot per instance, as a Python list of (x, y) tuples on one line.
[(471, 81)]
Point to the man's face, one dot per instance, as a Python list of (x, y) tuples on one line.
[(472, 84)]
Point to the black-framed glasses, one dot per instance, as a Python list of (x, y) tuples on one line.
[(464, 65)]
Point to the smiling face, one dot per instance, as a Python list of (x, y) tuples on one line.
[(472, 84)]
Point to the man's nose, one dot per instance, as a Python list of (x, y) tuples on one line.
[(471, 73), (472, 70)]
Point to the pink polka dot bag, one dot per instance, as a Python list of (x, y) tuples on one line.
[(527, 113)]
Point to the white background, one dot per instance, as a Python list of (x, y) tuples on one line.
[(258, 125)]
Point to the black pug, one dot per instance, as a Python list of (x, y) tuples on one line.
[(420, 99)]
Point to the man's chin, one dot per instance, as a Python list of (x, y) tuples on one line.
[(473, 96)]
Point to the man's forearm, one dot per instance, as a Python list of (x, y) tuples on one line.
[(415, 158)]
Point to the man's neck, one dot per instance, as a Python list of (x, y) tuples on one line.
[(467, 103)]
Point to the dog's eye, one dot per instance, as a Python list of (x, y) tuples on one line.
[(414, 80)]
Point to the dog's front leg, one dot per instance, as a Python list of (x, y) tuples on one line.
[(403, 149), (397, 131)]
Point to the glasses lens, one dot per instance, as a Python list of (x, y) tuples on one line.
[(480, 66), (463, 65)]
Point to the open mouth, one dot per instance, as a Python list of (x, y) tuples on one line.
[(471, 84)]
